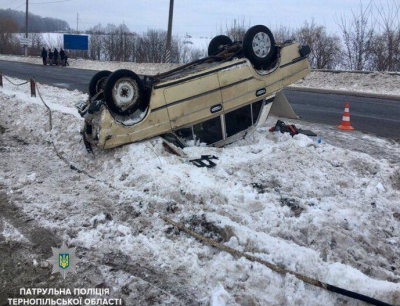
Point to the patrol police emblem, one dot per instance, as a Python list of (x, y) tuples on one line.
[(63, 260)]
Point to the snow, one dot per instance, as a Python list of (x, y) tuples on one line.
[(139, 68), (11, 234), (328, 210), (376, 82), (219, 296)]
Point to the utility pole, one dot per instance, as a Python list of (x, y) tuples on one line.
[(169, 35), (77, 22), (26, 27)]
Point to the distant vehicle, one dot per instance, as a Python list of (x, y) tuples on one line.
[(211, 101)]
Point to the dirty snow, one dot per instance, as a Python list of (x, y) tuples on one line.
[(376, 82), (324, 210), (11, 234), (139, 68)]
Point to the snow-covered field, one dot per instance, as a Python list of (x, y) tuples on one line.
[(377, 82), (324, 209)]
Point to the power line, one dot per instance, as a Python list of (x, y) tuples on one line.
[(21, 5), (49, 2), (18, 6), (10, 2)]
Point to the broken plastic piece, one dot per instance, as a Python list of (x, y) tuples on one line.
[(204, 161)]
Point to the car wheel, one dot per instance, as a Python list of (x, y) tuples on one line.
[(97, 82), (123, 92), (217, 43), (259, 46)]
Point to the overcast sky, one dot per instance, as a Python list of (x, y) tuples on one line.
[(195, 17)]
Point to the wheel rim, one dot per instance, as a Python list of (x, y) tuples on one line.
[(125, 93), (100, 84), (261, 44)]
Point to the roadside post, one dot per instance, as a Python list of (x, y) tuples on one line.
[(1, 79), (33, 87)]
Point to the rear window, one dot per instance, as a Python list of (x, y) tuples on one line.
[(207, 132)]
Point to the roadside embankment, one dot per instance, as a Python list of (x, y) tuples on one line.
[(364, 83)]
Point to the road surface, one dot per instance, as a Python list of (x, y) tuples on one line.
[(379, 116)]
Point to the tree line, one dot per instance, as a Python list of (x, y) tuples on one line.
[(118, 43), (369, 39), (37, 24)]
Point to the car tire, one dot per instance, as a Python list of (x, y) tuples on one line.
[(98, 82), (124, 92), (217, 43), (259, 46)]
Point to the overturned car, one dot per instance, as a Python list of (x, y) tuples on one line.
[(211, 101)]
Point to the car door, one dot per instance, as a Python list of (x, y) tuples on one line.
[(193, 99)]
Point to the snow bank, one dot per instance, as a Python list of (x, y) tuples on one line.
[(139, 68), (377, 82), (328, 212)]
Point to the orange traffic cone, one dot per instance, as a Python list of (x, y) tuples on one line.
[(346, 119)]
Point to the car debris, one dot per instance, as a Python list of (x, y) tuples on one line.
[(280, 126), (212, 101), (205, 161)]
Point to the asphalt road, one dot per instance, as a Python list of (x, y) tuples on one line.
[(378, 116), (57, 76)]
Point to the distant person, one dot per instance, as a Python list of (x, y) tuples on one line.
[(55, 56), (44, 56), (50, 57), (66, 60), (62, 57)]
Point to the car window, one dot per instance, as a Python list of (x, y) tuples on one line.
[(207, 132), (242, 118), (238, 120), (210, 131)]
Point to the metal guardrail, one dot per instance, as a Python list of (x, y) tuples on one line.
[(355, 71)]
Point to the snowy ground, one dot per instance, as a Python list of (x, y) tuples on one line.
[(329, 210), (377, 82)]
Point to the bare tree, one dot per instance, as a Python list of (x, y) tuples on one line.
[(357, 33), (283, 34), (152, 46), (95, 42), (8, 42), (385, 46), (184, 52), (37, 44), (108, 43), (236, 30), (325, 49)]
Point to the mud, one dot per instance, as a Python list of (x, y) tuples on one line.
[(210, 230), (17, 258), (151, 286), (23, 262)]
